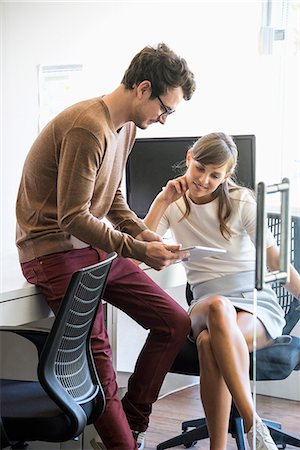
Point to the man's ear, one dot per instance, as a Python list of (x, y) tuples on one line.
[(143, 87)]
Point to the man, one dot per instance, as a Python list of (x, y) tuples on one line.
[(70, 182)]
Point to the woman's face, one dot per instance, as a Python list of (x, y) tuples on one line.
[(203, 180)]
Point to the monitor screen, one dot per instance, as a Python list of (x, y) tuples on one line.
[(152, 162)]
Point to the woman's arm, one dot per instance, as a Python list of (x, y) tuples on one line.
[(155, 213), (273, 264), (173, 190)]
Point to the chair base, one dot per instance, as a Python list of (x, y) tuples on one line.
[(188, 438), (281, 438)]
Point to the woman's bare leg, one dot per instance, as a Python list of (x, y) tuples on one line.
[(216, 398), (229, 334)]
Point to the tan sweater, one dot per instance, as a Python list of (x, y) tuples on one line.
[(71, 180)]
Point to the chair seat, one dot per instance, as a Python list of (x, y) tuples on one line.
[(279, 360), (186, 362), (275, 362), (28, 414)]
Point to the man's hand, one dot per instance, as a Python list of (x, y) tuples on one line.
[(148, 236), (159, 256)]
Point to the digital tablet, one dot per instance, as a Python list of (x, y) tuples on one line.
[(197, 252)]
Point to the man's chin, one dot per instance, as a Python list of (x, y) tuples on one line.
[(142, 125)]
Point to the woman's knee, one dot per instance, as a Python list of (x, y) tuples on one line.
[(220, 310)]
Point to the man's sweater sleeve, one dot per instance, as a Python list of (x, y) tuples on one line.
[(123, 218)]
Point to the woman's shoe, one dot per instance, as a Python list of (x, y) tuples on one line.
[(263, 439)]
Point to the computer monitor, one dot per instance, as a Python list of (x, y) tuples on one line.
[(151, 164)]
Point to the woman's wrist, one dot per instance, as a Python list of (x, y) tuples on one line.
[(162, 200)]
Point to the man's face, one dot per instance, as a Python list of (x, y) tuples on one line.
[(157, 109)]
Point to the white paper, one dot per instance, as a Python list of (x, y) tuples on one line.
[(197, 252), (59, 86)]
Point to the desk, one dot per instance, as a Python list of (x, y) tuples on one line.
[(20, 301)]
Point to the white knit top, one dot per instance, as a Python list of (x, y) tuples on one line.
[(201, 227)]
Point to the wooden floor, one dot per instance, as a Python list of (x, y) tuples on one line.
[(170, 411)]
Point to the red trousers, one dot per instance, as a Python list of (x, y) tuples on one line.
[(131, 290)]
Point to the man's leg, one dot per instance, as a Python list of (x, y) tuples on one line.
[(132, 291)]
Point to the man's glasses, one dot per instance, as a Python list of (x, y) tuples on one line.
[(167, 109)]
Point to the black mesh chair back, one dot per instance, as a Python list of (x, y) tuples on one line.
[(66, 363), (275, 362), (66, 370), (283, 356), (289, 304)]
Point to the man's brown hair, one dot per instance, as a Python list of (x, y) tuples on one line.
[(163, 68)]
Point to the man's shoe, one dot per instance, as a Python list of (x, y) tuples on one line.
[(263, 440), (139, 436), (97, 445)]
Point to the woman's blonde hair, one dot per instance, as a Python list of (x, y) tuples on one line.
[(218, 149)]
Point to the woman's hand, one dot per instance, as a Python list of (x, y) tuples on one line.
[(173, 190)]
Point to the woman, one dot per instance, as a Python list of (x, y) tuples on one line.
[(206, 207)]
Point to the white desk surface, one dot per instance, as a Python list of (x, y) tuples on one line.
[(20, 301), (13, 283)]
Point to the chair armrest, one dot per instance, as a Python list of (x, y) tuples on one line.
[(36, 336)]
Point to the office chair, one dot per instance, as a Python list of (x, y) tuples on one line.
[(275, 362), (68, 394)]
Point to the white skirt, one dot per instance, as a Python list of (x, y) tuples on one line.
[(239, 289)]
